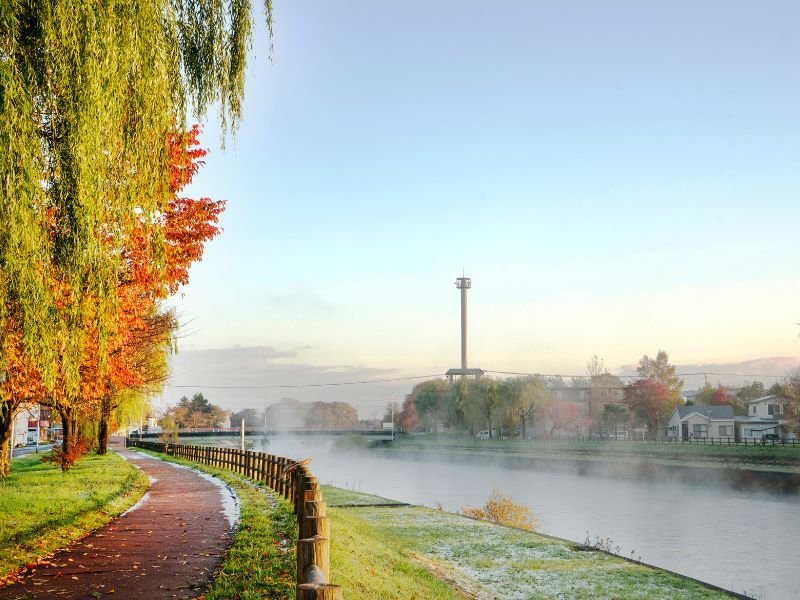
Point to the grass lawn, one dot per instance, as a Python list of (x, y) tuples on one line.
[(261, 561), (43, 509), (380, 552)]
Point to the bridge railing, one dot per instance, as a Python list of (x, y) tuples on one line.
[(290, 479)]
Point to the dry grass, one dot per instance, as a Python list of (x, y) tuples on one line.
[(502, 509)]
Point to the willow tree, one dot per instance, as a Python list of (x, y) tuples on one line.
[(88, 93), (141, 370)]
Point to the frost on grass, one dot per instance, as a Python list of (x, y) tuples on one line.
[(507, 563)]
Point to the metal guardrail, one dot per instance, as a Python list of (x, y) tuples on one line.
[(290, 479)]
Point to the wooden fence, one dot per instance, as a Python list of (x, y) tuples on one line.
[(287, 478), (712, 441)]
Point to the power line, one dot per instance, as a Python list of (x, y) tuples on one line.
[(551, 374), (305, 385), (585, 376), (730, 374)]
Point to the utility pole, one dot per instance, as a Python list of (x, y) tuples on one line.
[(392, 404), (11, 443), (241, 432), (38, 425)]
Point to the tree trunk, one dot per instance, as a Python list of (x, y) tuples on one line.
[(105, 418), (69, 427), (524, 429), (5, 438)]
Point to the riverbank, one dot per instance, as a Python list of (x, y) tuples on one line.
[(707, 531), (379, 545), (770, 468), (43, 509)]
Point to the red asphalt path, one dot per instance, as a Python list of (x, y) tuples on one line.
[(167, 546)]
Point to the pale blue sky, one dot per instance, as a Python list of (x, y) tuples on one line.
[(616, 177)]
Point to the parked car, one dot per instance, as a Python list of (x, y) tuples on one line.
[(619, 435), (482, 435)]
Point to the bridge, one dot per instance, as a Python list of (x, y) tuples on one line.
[(376, 435)]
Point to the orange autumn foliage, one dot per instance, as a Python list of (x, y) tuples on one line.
[(156, 258), (186, 225)]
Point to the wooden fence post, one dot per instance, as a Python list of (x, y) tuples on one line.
[(315, 527), (318, 591), (313, 560), (305, 482), (271, 470), (282, 483), (316, 508), (289, 477)]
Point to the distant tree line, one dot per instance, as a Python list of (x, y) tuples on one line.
[(196, 412), (289, 413), (511, 407), (519, 405)]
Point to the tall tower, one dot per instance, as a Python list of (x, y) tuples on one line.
[(463, 283)]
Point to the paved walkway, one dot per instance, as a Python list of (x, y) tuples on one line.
[(167, 546)]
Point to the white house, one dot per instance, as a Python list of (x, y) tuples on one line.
[(25, 425), (695, 422), (771, 409), (756, 428)]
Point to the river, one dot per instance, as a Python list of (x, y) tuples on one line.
[(742, 541)]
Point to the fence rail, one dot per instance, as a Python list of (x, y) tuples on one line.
[(290, 479), (718, 441)]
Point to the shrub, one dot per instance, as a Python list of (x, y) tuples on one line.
[(66, 459), (502, 509), (169, 430)]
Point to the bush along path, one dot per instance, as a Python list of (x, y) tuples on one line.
[(169, 545)]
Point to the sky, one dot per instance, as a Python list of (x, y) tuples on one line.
[(615, 177)]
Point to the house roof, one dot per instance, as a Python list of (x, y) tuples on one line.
[(764, 399), (751, 419), (714, 412)]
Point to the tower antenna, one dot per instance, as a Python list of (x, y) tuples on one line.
[(463, 283)]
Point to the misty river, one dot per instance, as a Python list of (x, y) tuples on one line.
[(742, 541)]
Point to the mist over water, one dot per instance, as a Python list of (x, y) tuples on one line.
[(742, 541)]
